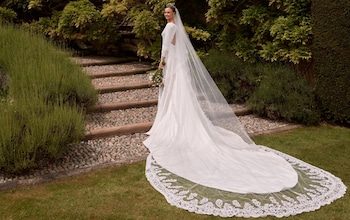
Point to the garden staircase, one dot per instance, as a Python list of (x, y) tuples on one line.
[(145, 104)]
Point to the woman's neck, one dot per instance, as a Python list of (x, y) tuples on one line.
[(171, 21)]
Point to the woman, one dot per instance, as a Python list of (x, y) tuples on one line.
[(201, 159)]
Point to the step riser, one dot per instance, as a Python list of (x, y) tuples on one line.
[(124, 73), (111, 89), (144, 127), (109, 62), (121, 106), (117, 131)]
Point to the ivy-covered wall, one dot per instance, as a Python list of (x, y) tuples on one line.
[(331, 51)]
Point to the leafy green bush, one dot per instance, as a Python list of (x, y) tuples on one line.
[(282, 94), (104, 27), (270, 90), (82, 23), (272, 30), (42, 109), (7, 15), (235, 78)]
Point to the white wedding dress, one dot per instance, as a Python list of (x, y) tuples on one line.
[(201, 159)]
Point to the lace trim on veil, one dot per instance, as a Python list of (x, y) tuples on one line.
[(315, 188)]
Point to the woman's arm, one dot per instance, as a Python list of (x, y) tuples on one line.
[(168, 36)]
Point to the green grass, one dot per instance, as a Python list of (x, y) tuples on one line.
[(124, 193)]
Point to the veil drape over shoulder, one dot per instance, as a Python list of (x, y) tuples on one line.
[(202, 159)]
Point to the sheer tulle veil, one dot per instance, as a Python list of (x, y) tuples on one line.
[(212, 102), (314, 187)]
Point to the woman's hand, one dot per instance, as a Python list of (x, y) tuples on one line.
[(161, 65)]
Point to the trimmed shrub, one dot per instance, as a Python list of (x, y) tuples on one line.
[(37, 67), (42, 108), (235, 78), (331, 47), (33, 132), (282, 94)]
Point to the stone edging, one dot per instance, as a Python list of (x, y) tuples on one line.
[(62, 174)]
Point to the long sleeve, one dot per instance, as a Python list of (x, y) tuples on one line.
[(168, 36)]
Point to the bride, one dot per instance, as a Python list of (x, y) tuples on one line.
[(201, 158)]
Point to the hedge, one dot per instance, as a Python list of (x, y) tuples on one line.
[(331, 48)]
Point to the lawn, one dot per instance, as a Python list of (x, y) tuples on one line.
[(124, 193)]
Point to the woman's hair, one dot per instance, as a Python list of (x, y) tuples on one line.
[(171, 6)]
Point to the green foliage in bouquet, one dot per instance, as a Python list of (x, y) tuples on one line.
[(156, 76)]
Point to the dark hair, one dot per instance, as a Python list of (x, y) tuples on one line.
[(171, 6)]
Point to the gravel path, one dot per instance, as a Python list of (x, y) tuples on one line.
[(90, 154)]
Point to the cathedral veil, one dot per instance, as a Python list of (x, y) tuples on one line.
[(314, 187), (212, 102)]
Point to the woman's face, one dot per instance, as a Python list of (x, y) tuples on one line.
[(169, 14)]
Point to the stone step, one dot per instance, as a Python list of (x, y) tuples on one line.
[(122, 121), (120, 80), (128, 96), (125, 87), (120, 117), (121, 105), (100, 108), (100, 60), (145, 126), (120, 73), (118, 130)]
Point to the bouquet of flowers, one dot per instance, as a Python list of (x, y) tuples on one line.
[(156, 76)]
